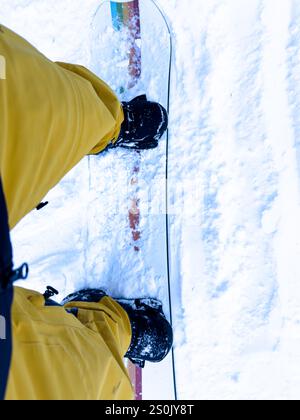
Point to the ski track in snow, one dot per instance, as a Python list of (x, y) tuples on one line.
[(234, 193), (238, 241)]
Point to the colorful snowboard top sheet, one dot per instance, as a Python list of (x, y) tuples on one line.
[(127, 15)]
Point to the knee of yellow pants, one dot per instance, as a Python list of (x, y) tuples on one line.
[(108, 319), (57, 356), (52, 115)]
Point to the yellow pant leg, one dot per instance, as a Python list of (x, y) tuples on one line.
[(57, 356), (51, 116)]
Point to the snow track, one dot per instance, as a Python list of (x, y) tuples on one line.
[(238, 244)]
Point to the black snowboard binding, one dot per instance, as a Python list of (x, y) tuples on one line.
[(152, 335), (85, 295), (144, 124)]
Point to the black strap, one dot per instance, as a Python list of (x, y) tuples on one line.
[(6, 295), (7, 276), (6, 258), (6, 299)]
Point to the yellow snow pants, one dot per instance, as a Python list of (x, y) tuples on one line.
[(51, 116), (57, 356)]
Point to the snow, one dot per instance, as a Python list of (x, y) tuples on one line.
[(234, 193)]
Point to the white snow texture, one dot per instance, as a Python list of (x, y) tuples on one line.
[(233, 189)]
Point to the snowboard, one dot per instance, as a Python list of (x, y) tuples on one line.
[(126, 36)]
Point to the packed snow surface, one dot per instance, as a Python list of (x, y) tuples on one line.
[(233, 192)]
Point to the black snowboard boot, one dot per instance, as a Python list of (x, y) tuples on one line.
[(144, 124), (152, 335)]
